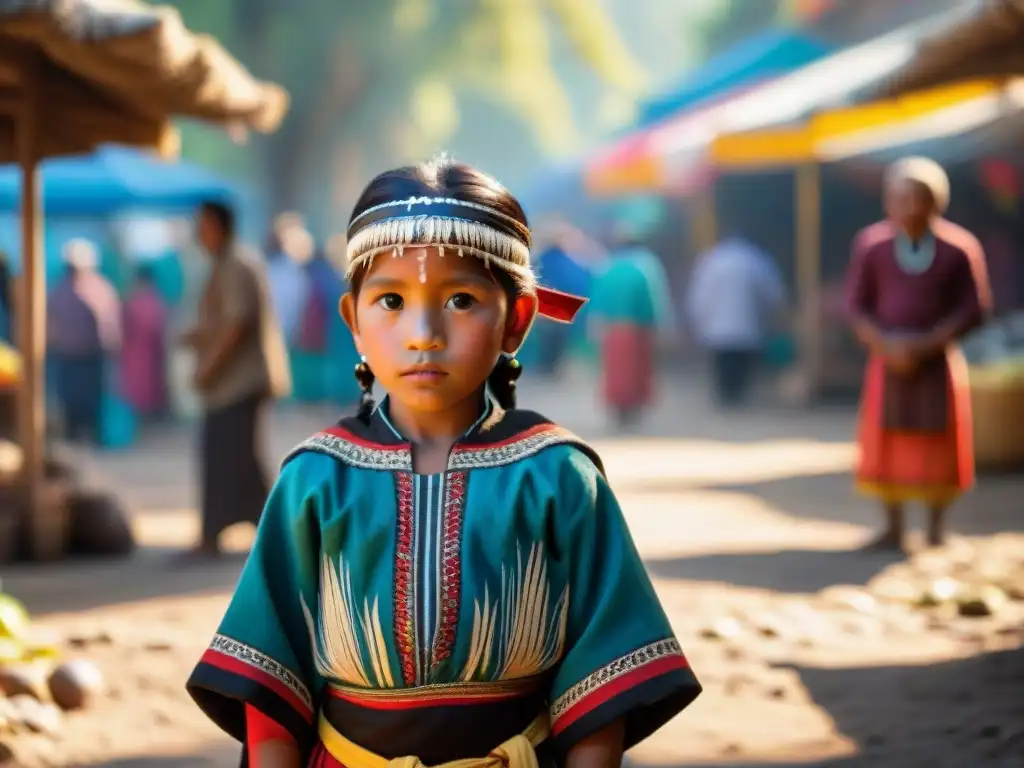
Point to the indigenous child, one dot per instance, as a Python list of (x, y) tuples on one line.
[(916, 284), (442, 578)]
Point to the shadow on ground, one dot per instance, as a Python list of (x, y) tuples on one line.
[(877, 707), (181, 761), (790, 570), (84, 584), (207, 759)]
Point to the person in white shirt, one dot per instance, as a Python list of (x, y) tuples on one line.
[(733, 291)]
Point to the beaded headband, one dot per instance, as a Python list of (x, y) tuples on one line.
[(457, 228)]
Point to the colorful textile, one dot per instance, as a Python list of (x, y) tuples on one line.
[(144, 354), (627, 365), (933, 466), (915, 430), (633, 289), (404, 608)]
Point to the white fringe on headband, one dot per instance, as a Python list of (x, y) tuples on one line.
[(456, 236)]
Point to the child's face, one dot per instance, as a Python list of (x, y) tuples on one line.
[(432, 327)]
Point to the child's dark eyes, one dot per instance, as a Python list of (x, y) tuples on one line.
[(460, 302), (392, 302)]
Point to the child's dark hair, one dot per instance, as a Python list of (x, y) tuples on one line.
[(444, 177)]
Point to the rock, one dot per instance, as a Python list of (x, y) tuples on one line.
[(769, 626), (985, 602), (732, 653), (75, 683), (939, 592), (1013, 586), (7, 756), (99, 525), (851, 597), (159, 646), (723, 629), (85, 639), (894, 590), (735, 684), (27, 679), (778, 693), (44, 718), (21, 707)]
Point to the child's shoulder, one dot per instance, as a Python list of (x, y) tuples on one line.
[(521, 435)]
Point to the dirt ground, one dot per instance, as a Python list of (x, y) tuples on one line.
[(810, 653)]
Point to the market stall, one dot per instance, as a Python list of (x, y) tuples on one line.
[(75, 74), (952, 123), (988, 42)]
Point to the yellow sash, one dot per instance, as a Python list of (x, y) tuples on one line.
[(517, 752)]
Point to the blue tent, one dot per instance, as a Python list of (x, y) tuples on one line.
[(770, 54), (114, 178)]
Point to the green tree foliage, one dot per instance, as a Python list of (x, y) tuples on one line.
[(384, 78), (737, 20)]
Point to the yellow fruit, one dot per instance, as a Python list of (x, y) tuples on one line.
[(14, 618)]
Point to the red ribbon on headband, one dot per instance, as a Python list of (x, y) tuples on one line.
[(558, 306)]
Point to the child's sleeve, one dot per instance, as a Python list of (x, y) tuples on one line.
[(621, 659), (262, 655)]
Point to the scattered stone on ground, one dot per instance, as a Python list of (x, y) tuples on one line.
[(745, 645)]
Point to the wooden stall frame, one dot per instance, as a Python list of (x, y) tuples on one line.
[(807, 212)]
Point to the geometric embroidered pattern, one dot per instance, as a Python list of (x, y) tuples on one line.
[(404, 607), (463, 457), (397, 459), (451, 565), (624, 665), (522, 446), (247, 655)]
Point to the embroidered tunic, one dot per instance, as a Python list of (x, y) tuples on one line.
[(400, 607)]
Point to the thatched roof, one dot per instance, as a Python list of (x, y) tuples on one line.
[(989, 42), (117, 71)]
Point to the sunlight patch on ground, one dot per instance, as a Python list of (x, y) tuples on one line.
[(697, 462), (179, 529), (709, 522)]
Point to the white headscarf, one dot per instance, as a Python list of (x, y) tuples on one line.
[(81, 254), (923, 171)]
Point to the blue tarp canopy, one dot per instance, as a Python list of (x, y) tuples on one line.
[(763, 56), (113, 178)]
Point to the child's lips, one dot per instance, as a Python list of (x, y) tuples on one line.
[(424, 373)]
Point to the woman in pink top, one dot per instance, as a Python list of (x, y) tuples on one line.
[(143, 358)]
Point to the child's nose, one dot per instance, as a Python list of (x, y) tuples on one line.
[(427, 330)]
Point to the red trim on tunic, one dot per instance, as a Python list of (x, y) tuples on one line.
[(516, 438), (903, 466), (405, 638), (451, 565), (344, 434), (607, 692), (236, 667), (259, 729)]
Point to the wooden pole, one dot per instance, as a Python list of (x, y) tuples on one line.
[(705, 223), (32, 307), (808, 271)]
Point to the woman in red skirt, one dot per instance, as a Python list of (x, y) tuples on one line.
[(916, 284)]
